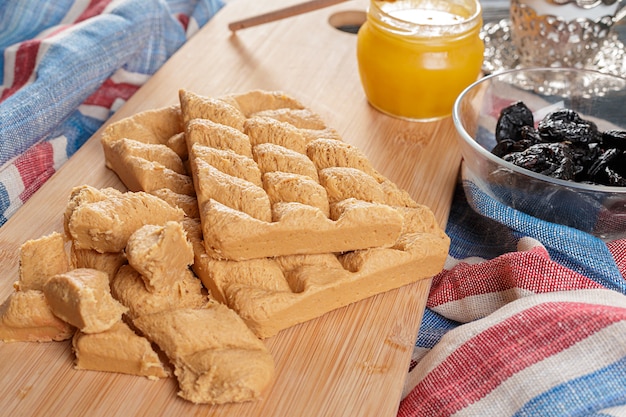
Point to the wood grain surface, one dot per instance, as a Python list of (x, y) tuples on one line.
[(350, 362)]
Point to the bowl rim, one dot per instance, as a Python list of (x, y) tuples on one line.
[(467, 138)]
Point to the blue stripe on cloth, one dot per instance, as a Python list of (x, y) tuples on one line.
[(581, 396), (570, 247), (5, 202), (475, 235), (77, 128), (25, 19), (204, 10), (432, 329), (200, 10)]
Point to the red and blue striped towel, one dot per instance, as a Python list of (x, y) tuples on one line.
[(66, 66), (528, 318)]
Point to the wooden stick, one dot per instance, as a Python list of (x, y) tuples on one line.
[(282, 13)]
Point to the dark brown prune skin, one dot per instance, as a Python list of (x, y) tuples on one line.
[(614, 139), (528, 136), (504, 147), (567, 125), (609, 168), (511, 120), (584, 155), (552, 159), (508, 146)]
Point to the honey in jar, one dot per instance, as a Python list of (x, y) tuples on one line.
[(416, 56)]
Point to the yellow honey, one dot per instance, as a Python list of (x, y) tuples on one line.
[(416, 56)]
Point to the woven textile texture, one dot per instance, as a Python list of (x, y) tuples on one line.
[(67, 65), (528, 318)]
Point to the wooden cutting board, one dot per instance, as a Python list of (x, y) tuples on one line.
[(350, 362)]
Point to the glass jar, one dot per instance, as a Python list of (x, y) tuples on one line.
[(416, 56)]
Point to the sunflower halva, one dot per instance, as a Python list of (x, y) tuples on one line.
[(287, 220)]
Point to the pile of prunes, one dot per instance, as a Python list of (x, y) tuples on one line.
[(563, 146)]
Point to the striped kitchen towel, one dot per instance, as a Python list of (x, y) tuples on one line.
[(528, 318), (66, 66)]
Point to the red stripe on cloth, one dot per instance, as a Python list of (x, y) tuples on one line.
[(109, 91), (618, 250), (35, 166), (25, 61), (95, 8), (184, 20), (483, 362), (530, 270)]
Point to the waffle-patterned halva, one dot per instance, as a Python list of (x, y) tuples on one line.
[(271, 188), (290, 221)]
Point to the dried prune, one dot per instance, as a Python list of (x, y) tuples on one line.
[(511, 120), (567, 125), (507, 146), (552, 159), (504, 147), (564, 146), (609, 169), (530, 134), (584, 155), (614, 139)]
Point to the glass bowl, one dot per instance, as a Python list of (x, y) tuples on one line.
[(599, 97)]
